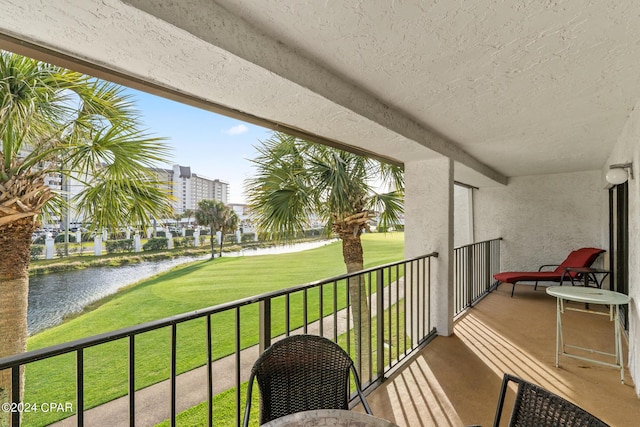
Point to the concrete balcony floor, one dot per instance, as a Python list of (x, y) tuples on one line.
[(455, 381)]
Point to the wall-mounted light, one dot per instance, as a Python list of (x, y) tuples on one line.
[(618, 173)]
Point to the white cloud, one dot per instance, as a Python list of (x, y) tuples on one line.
[(237, 130)]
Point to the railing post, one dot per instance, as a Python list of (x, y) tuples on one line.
[(380, 322), (132, 383), (16, 374), (487, 265), (498, 260), (469, 296), (265, 325), (80, 387), (173, 373)]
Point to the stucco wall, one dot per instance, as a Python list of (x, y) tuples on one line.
[(628, 149), (462, 224), (542, 218), (429, 228)]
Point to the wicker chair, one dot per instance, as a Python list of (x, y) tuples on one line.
[(537, 407), (300, 373)]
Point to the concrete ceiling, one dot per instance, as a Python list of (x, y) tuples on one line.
[(504, 88)]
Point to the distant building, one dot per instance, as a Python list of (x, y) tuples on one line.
[(189, 188), (68, 187), (186, 187), (244, 214)]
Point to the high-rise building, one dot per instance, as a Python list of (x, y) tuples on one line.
[(189, 188), (186, 187)]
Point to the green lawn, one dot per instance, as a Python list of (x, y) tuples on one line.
[(196, 286)]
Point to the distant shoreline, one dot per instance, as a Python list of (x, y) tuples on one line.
[(113, 260)]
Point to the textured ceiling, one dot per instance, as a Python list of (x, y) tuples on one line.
[(505, 88), (525, 87)]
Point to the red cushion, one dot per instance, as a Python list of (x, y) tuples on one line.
[(524, 276), (580, 258), (583, 257)]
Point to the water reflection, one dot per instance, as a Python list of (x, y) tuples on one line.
[(56, 295)]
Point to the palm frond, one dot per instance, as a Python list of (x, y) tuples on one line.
[(390, 207), (296, 180), (54, 120)]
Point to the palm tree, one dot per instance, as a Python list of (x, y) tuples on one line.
[(297, 179), (188, 213), (228, 224), (56, 121), (218, 217), (177, 217)]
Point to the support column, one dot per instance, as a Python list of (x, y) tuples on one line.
[(97, 245), (49, 247), (169, 235), (429, 228), (137, 246)]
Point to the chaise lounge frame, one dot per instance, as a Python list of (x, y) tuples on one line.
[(580, 258)]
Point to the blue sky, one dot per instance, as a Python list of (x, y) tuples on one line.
[(214, 146)]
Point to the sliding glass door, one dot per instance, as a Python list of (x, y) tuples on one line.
[(619, 243)]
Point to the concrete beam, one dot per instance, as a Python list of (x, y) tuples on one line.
[(212, 23)]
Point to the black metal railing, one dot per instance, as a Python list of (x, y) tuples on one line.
[(395, 316), (474, 267)]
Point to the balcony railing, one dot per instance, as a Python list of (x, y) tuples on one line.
[(474, 267), (395, 321)]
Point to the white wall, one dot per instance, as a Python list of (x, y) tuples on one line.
[(542, 218), (626, 150), (462, 220), (429, 228)]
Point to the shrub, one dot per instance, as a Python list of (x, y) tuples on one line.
[(60, 251), (182, 242), (248, 237), (124, 245), (313, 232), (36, 252), (60, 238), (156, 244)]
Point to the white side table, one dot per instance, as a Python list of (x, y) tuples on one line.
[(589, 295)]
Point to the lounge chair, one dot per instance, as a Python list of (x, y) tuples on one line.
[(579, 258)]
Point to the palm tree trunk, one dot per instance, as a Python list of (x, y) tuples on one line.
[(213, 248), (15, 242), (353, 258)]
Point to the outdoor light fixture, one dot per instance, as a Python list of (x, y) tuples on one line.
[(618, 173)]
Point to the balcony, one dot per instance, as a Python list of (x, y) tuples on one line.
[(531, 117), (413, 377), (455, 380)]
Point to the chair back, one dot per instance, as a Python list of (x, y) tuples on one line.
[(301, 373), (536, 407), (582, 257)]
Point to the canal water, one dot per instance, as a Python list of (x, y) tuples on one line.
[(56, 295)]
